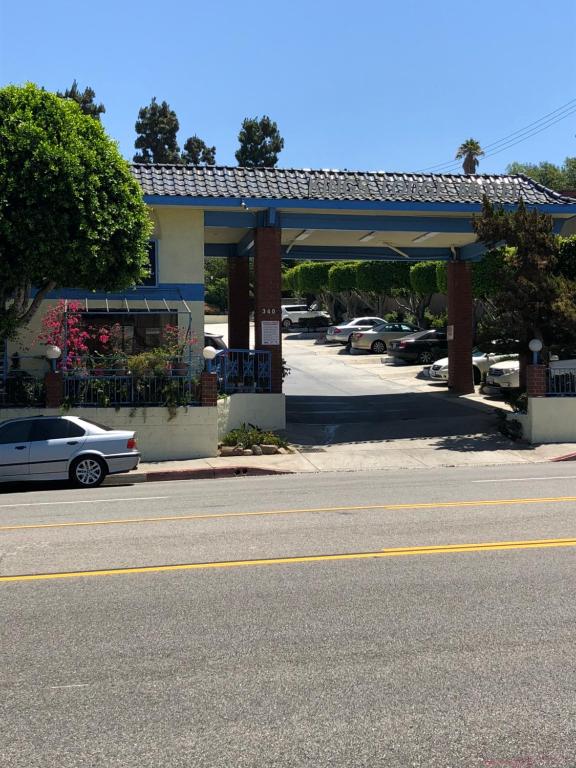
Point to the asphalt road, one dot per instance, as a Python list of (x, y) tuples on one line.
[(307, 657), (330, 399)]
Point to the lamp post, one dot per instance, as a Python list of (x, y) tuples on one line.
[(535, 346), (209, 353), (52, 354)]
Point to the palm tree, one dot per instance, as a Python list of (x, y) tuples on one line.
[(470, 151)]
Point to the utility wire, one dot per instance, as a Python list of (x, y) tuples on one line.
[(516, 137)]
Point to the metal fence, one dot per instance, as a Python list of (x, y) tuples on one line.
[(131, 391), (561, 382), (243, 370)]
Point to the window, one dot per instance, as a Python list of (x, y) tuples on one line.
[(152, 279), (15, 432), (53, 429)]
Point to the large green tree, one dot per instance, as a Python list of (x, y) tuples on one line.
[(557, 177), (70, 212), (536, 296), (197, 152), (84, 99), (260, 143), (157, 127), (469, 152)]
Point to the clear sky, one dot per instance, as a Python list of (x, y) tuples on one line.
[(369, 85)]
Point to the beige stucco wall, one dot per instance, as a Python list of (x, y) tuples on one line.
[(267, 411), (549, 420), (191, 434), (569, 228)]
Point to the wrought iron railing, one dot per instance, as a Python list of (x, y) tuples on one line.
[(561, 382), (243, 370), (131, 391)]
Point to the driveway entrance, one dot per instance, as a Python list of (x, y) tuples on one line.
[(334, 398)]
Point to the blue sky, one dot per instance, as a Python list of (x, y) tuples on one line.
[(370, 85)]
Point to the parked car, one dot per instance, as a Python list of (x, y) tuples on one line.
[(377, 339), (64, 448), (481, 362), (342, 334), (422, 347), (292, 314), (215, 340), (501, 376)]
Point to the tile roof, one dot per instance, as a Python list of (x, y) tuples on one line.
[(298, 184)]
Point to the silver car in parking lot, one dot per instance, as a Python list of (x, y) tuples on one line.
[(342, 334), (64, 448)]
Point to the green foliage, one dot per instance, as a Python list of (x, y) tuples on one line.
[(197, 152), (558, 177), (153, 362), (248, 436), (217, 293), (567, 257), (382, 277), (70, 211), (423, 277), (342, 277), (84, 99), (157, 126), (260, 143), (442, 277), (469, 151), (533, 300), (488, 274), (312, 276)]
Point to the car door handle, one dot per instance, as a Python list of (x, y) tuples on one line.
[(72, 442), (19, 447)]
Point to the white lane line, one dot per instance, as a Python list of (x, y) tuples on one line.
[(82, 501), (72, 685), (522, 479)]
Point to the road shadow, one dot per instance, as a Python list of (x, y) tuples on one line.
[(331, 420)]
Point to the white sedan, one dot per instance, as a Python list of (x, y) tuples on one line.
[(342, 334), (481, 362), (44, 448)]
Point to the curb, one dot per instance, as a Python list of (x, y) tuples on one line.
[(566, 457), (193, 474)]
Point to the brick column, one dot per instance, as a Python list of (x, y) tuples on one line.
[(54, 383), (460, 327), (536, 380), (208, 390), (267, 297), (239, 302)]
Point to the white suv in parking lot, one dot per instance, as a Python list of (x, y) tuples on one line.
[(293, 313)]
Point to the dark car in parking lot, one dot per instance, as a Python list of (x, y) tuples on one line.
[(422, 347)]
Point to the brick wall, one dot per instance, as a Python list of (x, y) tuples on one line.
[(267, 295)]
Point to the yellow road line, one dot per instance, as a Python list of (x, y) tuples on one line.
[(277, 512), (396, 552)]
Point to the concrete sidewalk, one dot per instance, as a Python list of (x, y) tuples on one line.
[(414, 453)]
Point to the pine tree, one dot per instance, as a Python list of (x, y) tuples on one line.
[(197, 152), (157, 126), (260, 143), (85, 99)]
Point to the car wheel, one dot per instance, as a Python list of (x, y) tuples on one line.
[(425, 357), (378, 347), (88, 472), (286, 323), (477, 375)]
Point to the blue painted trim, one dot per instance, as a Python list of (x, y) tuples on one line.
[(329, 253), (230, 219), (473, 252), (168, 291), (362, 205)]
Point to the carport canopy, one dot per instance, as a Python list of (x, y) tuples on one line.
[(272, 213)]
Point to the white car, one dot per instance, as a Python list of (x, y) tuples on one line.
[(44, 448), (501, 376), (293, 313), (481, 362), (342, 334)]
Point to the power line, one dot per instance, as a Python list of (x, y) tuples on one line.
[(518, 136)]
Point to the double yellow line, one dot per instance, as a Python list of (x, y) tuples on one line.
[(447, 549)]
